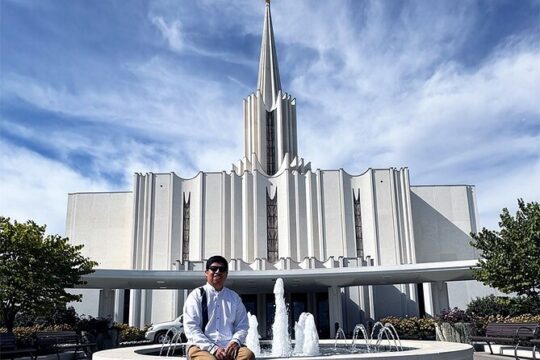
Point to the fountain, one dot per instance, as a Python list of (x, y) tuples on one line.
[(174, 336), (252, 338), (299, 334), (307, 344), (311, 337), (281, 342)]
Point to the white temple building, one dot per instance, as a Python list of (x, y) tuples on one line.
[(273, 214)]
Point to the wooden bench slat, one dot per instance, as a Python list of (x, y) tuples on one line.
[(510, 333), (9, 350), (62, 340)]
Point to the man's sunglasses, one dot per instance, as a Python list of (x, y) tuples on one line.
[(216, 268)]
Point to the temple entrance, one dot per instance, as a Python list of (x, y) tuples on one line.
[(322, 315), (250, 302), (264, 307)]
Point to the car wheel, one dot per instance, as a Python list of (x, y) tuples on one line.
[(161, 337)]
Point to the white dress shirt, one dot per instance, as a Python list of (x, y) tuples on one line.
[(227, 319)]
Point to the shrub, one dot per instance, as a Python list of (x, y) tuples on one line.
[(130, 333), (480, 322), (25, 334), (453, 316), (412, 327), (486, 306), (503, 305), (524, 318), (29, 325), (93, 325), (424, 328), (61, 316)]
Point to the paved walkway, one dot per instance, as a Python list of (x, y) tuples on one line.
[(488, 356)]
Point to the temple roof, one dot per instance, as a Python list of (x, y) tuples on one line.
[(308, 275)]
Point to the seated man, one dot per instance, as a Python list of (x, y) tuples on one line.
[(216, 328)]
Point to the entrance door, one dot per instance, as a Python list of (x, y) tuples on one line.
[(323, 315), (250, 302), (298, 305), (270, 311)]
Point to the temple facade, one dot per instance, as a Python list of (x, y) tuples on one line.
[(272, 211)]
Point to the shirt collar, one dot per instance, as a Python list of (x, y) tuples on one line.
[(212, 290)]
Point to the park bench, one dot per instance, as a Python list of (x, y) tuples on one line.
[(59, 341), (536, 345), (511, 334), (9, 350)]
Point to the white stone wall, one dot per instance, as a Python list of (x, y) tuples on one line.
[(315, 219), (444, 217), (400, 225), (103, 223), (315, 215)]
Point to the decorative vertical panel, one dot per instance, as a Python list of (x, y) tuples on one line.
[(185, 227), (272, 228), (270, 144), (358, 225)]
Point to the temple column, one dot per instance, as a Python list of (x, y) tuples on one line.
[(119, 306), (334, 308), (435, 297), (135, 308), (106, 303)]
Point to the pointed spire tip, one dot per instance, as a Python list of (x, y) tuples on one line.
[(268, 81)]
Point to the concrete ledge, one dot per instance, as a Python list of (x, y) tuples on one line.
[(507, 350)]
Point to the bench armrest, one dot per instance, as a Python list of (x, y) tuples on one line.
[(524, 336)]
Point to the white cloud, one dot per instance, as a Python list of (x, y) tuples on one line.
[(386, 94), (378, 84), (503, 190), (36, 188), (172, 32)]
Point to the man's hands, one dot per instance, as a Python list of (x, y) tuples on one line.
[(220, 354), (232, 350), (228, 353)]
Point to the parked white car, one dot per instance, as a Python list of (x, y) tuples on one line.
[(158, 333)]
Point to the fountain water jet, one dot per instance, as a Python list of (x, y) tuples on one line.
[(252, 339), (360, 329), (281, 344), (311, 337), (393, 330), (299, 334)]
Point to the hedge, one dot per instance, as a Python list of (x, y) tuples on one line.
[(424, 328)]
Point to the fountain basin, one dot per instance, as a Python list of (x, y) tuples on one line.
[(418, 350)]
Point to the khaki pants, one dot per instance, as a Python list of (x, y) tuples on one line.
[(194, 353)]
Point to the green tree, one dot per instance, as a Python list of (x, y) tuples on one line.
[(511, 257), (35, 270)]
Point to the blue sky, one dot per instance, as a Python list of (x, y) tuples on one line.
[(93, 91)]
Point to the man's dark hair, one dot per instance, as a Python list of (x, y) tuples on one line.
[(219, 259)]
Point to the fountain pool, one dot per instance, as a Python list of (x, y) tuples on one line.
[(308, 346), (417, 350)]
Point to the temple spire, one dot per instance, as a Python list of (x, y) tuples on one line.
[(270, 144), (268, 81)]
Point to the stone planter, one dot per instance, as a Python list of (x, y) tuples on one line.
[(458, 332), (108, 340)]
